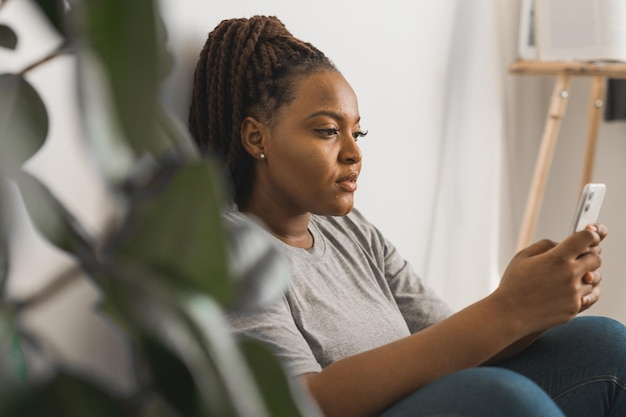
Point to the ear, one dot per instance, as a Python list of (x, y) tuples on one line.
[(252, 132)]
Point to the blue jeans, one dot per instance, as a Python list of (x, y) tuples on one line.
[(574, 370)]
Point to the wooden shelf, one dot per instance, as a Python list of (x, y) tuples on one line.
[(602, 69)]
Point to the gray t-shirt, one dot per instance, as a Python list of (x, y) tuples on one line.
[(349, 293)]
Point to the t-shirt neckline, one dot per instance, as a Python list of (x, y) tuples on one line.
[(316, 251)]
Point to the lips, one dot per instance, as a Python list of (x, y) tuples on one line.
[(348, 182)]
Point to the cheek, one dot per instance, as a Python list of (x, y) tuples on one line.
[(316, 163), (307, 160)]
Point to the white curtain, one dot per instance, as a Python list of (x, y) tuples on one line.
[(465, 241)]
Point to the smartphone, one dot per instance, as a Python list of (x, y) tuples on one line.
[(588, 207)]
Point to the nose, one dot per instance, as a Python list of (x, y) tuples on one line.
[(350, 153)]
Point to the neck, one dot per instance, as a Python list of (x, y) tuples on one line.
[(291, 228)]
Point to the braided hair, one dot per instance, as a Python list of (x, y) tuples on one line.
[(246, 68)]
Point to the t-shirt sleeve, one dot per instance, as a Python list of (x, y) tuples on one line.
[(418, 303), (274, 326)]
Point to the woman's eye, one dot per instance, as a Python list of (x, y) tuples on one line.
[(359, 134), (333, 131)]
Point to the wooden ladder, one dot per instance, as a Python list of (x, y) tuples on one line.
[(563, 71)]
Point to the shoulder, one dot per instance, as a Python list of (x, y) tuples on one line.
[(238, 222), (354, 220), (353, 226)]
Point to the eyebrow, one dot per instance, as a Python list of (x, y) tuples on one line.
[(330, 114)]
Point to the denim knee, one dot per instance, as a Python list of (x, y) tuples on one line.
[(599, 345), (599, 340), (478, 392), (604, 331), (581, 365)]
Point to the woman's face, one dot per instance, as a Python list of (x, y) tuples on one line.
[(312, 158)]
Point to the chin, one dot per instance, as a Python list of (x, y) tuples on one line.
[(338, 209), (343, 212), (334, 205)]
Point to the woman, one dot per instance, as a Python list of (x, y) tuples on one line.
[(357, 326)]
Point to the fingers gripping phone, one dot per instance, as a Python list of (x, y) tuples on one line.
[(588, 207)]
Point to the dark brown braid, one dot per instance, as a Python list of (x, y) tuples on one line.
[(245, 68)]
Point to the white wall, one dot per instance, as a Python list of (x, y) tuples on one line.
[(394, 56)]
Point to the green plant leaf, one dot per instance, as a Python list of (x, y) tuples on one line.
[(170, 376), (12, 365), (178, 135), (18, 363), (23, 122), (4, 237), (175, 226), (164, 56), (55, 12), (4, 263), (207, 319), (8, 38), (259, 271), (154, 310), (52, 219), (123, 36), (64, 395), (281, 397)]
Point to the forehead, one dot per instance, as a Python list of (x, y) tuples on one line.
[(324, 91)]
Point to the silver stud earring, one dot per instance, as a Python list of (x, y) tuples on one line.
[(262, 155)]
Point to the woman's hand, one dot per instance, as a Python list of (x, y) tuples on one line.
[(594, 278), (547, 284)]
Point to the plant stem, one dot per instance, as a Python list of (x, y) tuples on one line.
[(4, 239), (59, 51), (64, 279)]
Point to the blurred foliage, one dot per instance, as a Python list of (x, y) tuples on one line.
[(8, 38), (22, 115), (170, 264)]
